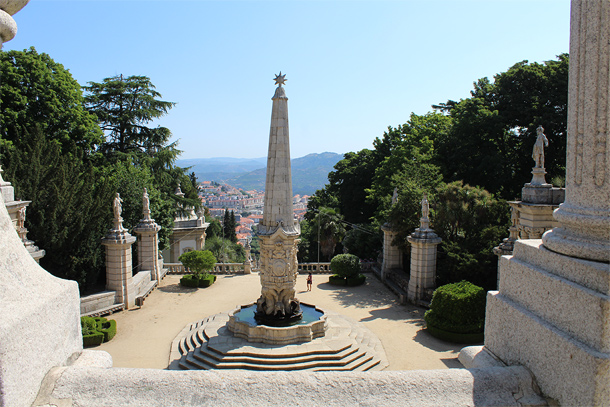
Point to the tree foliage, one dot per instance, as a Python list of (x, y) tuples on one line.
[(124, 108), (493, 131), (198, 261)]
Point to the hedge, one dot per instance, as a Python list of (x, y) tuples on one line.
[(191, 280), (97, 330), (337, 279), (346, 265), (457, 308)]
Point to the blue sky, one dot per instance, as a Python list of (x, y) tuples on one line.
[(353, 68)]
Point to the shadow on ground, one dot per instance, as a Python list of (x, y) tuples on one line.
[(176, 288), (430, 342)]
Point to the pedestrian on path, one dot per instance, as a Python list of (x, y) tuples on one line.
[(309, 281)]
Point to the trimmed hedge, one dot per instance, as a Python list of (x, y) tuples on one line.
[(97, 330), (354, 281), (457, 308), (191, 280), (107, 327), (346, 265), (337, 279)]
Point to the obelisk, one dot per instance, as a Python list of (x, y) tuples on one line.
[(278, 230)]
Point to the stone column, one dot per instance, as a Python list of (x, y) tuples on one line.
[(423, 258), (148, 241), (392, 256), (119, 273), (585, 214), (552, 311)]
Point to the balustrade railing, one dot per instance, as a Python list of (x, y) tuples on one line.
[(239, 268)]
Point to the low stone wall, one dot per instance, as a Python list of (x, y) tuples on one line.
[(94, 302), (141, 281)]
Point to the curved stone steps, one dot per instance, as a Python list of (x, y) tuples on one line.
[(346, 346), (295, 359)]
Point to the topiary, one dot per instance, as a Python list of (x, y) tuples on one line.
[(457, 311), (95, 331), (346, 265)]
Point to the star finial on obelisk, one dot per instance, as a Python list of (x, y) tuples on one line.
[(280, 79)]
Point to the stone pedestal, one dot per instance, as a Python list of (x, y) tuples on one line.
[(552, 311), (119, 272), (392, 256), (422, 280), (148, 246)]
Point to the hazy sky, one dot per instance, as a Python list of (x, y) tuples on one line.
[(353, 68)]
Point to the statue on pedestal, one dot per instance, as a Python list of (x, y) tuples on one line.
[(117, 207), (541, 142)]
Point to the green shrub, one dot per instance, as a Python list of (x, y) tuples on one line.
[(189, 281), (457, 308), (94, 339), (336, 279), (88, 325), (207, 280), (95, 331), (346, 265), (195, 281), (198, 262), (354, 281), (107, 327)]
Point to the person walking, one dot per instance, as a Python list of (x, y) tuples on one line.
[(309, 281)]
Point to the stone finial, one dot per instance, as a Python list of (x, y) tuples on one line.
[(8, 26), (280, 79), (2, 182)]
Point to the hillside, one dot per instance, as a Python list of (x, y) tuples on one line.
[(309, 173)]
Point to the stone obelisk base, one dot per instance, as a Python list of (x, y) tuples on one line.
[(552, 315)]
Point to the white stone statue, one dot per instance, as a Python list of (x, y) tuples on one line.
[(117, 207), (395, 196), (145, 202), (425, 207), (21, 222), (541, 142)]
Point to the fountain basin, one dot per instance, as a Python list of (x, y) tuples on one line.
[(243, 325)]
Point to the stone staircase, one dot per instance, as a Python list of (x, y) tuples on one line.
[(346, 346)]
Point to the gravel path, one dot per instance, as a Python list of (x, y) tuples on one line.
[(145, 335)]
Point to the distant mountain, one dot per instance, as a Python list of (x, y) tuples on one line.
[(309, 173), (221, 165)]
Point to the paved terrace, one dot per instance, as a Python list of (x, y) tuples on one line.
[(145, 335)]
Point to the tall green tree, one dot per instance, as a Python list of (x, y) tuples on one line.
[(38, 93), (70, 207), (228, 226), (124, 108), (493, 132)]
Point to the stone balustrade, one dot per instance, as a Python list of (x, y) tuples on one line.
[(239, 268)]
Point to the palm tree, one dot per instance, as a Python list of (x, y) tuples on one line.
[(330, 230)]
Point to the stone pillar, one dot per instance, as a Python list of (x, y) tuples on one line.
[(585, 214), (392, 256), (552, 311), (119, 273), (422, 279), (148, 241)]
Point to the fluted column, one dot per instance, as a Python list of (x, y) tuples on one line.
[(585, 214)]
